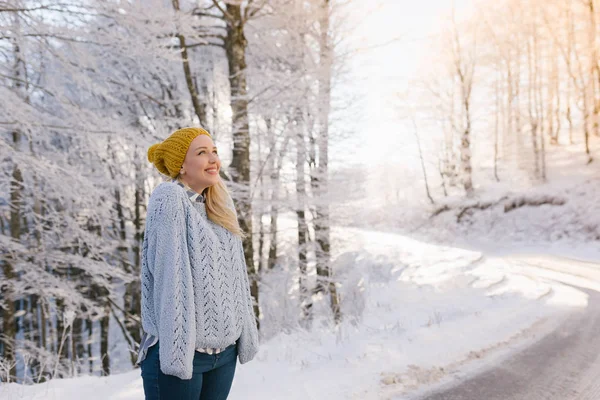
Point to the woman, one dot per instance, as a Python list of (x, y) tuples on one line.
[(197, 312)]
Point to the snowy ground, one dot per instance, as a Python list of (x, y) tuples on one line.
[(417, 312), (567, 224)]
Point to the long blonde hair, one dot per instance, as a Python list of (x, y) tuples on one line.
[(220, 208)]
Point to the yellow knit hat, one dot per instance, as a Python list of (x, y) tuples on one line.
[(168, 155)]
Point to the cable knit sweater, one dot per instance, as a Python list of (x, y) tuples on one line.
[(195, 289)]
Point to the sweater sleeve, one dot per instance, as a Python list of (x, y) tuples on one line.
[(248, 341), (173, 288)]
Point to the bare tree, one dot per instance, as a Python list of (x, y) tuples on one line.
[(322, 233), (463, 58), (235, 16), (423, 169)]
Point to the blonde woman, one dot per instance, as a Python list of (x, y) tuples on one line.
[(197, 313)]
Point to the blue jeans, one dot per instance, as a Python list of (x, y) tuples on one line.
[(211, 379)]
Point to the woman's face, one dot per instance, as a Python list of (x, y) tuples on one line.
[(202, 164)]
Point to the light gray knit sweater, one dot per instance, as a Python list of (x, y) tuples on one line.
[(195, 289)]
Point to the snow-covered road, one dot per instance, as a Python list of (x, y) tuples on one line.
[(563, 365)]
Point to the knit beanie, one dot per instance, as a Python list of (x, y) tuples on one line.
[(168, 155)]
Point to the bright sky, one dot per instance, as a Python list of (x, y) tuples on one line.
[(385, 69)]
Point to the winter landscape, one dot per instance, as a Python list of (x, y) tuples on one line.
[(422, 180)]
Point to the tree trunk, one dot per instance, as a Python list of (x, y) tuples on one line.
[(43, 339), (464, 69), (520, 139), (301, 217), (9, 328), (553, 99), (235, 48), (465, 159), (90, 337), (510, 143), (531, 107), (61, 333), (325, 280), (51, 335), (497, 122), (593, 60), (261, 233), (34, 331), (262, 196), (132, 299), (104, 325), (78, 350), (595, 71), (423, 169), (275, 172), (539, 72)]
